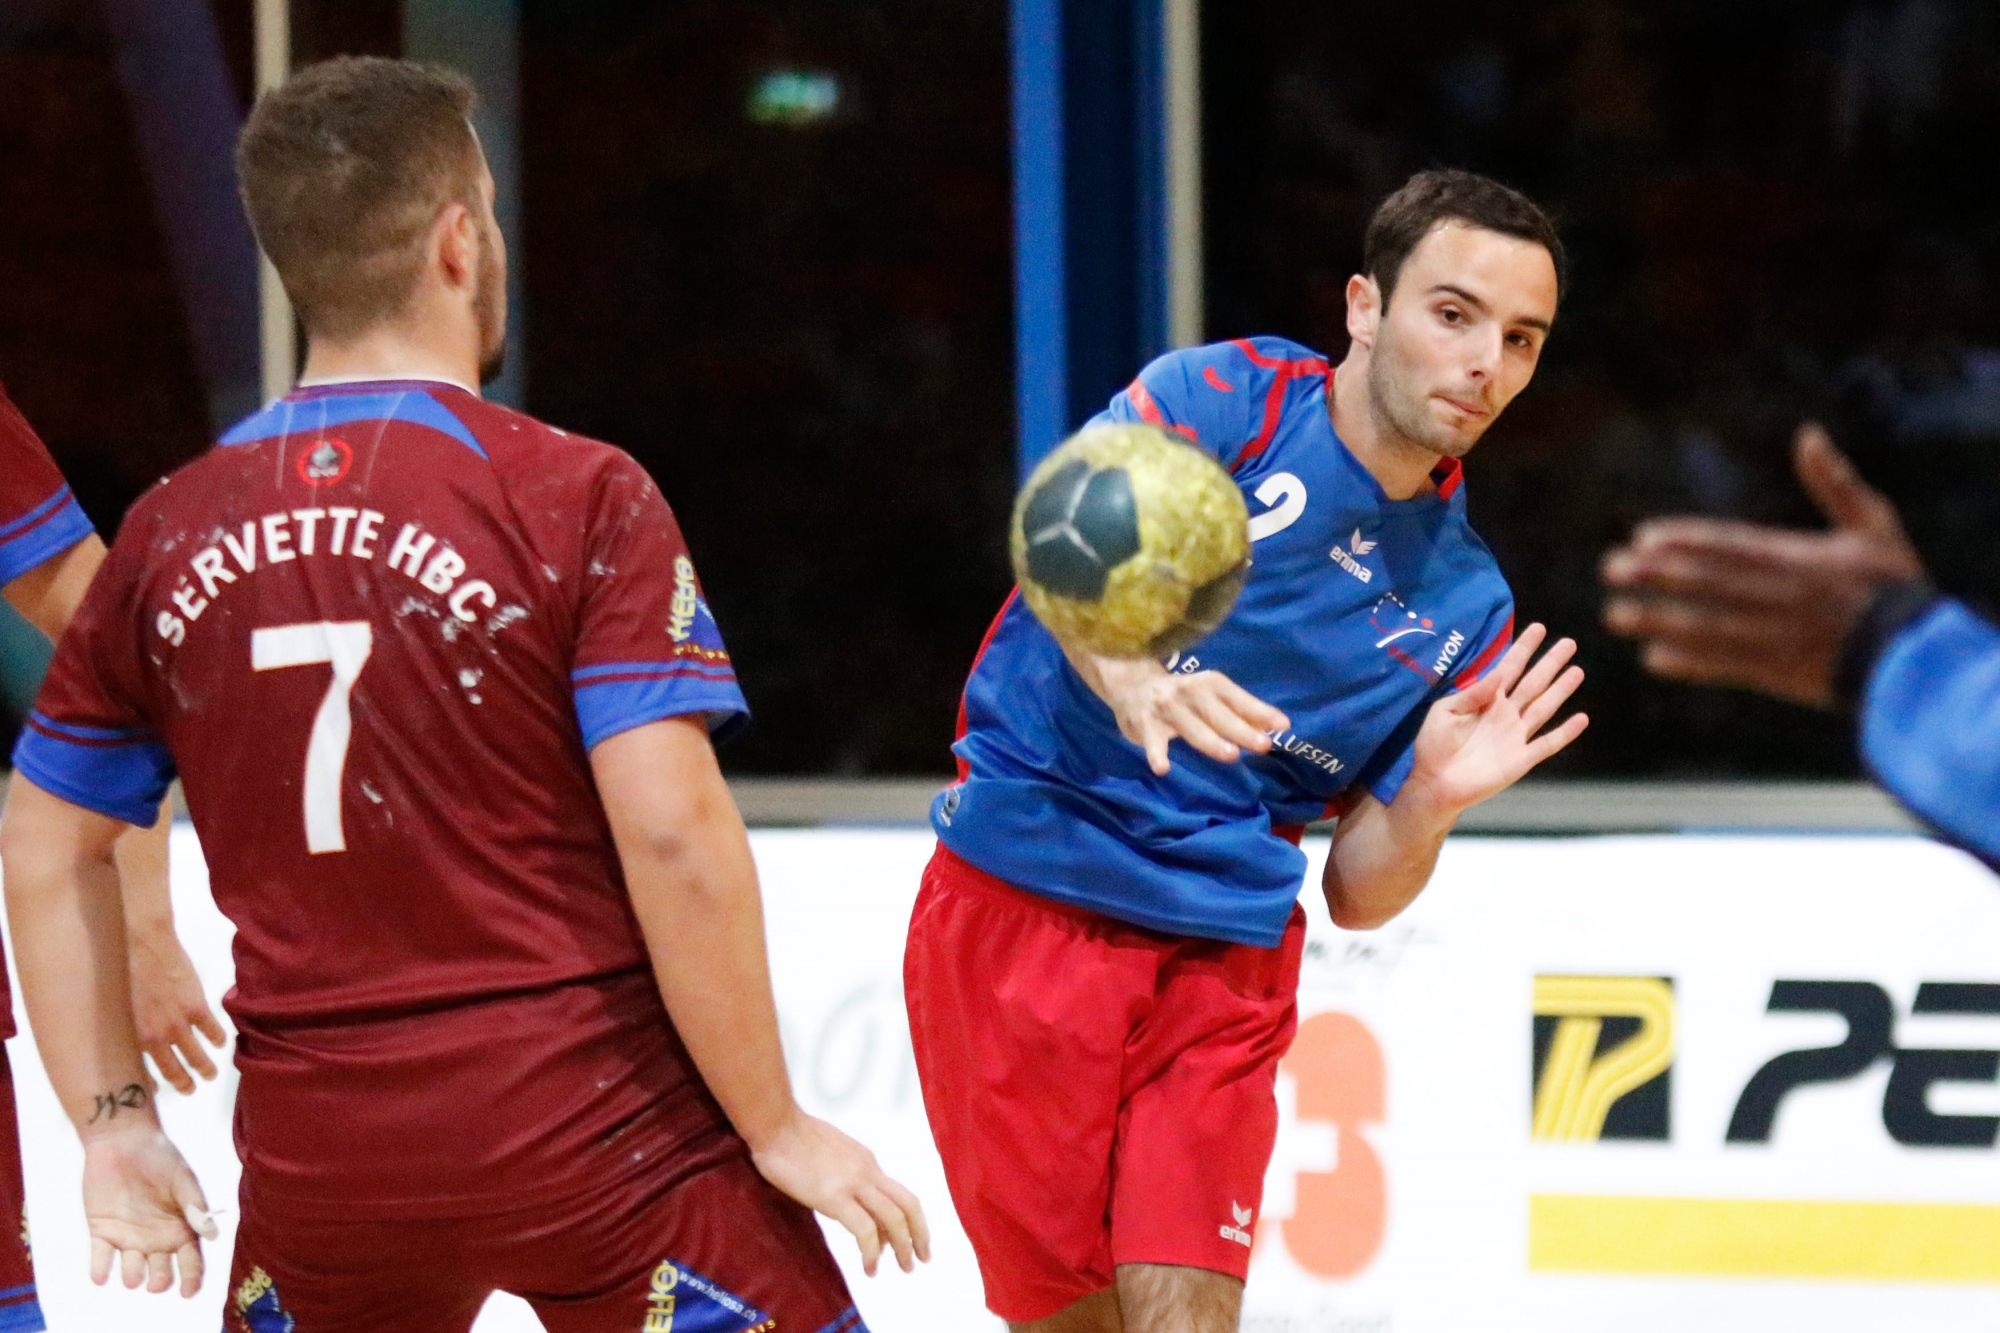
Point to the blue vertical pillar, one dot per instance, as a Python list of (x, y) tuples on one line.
[(1090, 207)]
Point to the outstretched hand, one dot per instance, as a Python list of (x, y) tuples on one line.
[(1478, 742), (144, 1206), (830, 1173), (1722, 602)]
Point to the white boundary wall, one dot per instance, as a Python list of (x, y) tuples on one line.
[(1446, 996)]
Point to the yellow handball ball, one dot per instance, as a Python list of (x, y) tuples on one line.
[(1129, 542)]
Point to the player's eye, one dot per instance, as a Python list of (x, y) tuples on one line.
[(1451, 314)]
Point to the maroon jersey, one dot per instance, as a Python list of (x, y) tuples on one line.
[(39, 518), (376, 633)]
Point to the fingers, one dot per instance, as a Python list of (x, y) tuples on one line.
[(1190, 726), (132, 1267), (1695, 622), (1223, 710), (100, 1260), (913, 1213), (1546, 670), (1543, 706), (193, 1205), (1254, 711), (195, 1054), (1553, 743), (211, 1027), (1155, 736), (166, 1060), (850, 1214), (191, 1267), (1694, 572), (1835, 486), (1508, 670), (890, 1220), (159, 1272)]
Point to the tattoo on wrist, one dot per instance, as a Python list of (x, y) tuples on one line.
[(128, 1098)]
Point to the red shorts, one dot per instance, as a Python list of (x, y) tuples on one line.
[(1101, 1094), (716, 1249), (20, 1311)]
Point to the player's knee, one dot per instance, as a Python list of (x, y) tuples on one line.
[(1169, 1298)]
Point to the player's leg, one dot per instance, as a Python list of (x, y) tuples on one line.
[(294, 1270), (20, 1311), (720, 1248), (1168, 1298), (1092, 1314), (1019, 1012), (1195, 1135)]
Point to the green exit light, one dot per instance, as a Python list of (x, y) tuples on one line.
[(794, 97)]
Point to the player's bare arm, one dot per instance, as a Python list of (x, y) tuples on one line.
[(1474, 745), (693, 884), (168, 1005), (166, 995), (142, 1203), (1718, 602), (1154, 707)]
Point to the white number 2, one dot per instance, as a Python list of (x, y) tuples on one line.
[(1286, 495), (345, 644)]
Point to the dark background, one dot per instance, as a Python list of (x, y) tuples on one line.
[(805, 330)]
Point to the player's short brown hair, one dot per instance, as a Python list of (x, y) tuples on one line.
[(1431, 197), (343, 170)]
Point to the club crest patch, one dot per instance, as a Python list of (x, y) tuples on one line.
[(255, 1308), (323, 462), (683, 1301)]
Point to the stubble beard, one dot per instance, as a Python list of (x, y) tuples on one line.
[(1402, 410), (489, 312)]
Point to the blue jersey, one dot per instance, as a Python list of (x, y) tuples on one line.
[(1360, 611)]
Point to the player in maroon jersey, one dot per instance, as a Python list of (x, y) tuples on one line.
[(48, 553), (439, 682)]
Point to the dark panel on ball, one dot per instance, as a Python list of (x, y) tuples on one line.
[(1062, 565), (1052, 501), (1107, 517), (1208, 606)]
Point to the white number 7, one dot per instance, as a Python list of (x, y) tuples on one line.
[(345, 644)]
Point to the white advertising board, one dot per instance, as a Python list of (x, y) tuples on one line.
[(1727, 1083)]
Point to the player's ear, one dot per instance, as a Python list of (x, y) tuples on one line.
[(455, 243), (1364, 309)]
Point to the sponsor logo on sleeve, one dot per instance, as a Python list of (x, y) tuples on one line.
[(686, 603)]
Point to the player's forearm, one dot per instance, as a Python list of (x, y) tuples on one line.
[(141, 855), (694, 890), (1382, 857), (64, 908)]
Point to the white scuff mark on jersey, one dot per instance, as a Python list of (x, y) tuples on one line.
[(468, 678), (371, 793), (549, 573), (412, 605), (504, 617), (601, 570), (449, 628)]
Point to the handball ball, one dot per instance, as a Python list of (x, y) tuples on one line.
[(1128, 542)]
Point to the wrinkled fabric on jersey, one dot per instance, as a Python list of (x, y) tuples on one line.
[(1359, 612), (375, 633)]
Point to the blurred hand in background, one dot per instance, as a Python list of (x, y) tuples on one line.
[(1724, 602)]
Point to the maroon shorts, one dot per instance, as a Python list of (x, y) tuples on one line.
[(719, 1249), (1100, 1094), (19, 1309)]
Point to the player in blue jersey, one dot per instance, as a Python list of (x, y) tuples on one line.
[(1842, 619), (1102, 965)]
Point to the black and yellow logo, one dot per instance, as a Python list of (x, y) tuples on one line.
[(1604, 1055)]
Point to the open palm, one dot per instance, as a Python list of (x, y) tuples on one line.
[(1476, 743), (145, 1209)]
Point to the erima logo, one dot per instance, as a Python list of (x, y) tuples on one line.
[(1240, 1232), (1349, 562)]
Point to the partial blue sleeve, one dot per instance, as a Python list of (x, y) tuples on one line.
[(120, 773), (1212, 396), (1930, 725), (41, 534)]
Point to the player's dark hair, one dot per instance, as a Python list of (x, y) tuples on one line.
[(343, 170), (1431, 197)]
